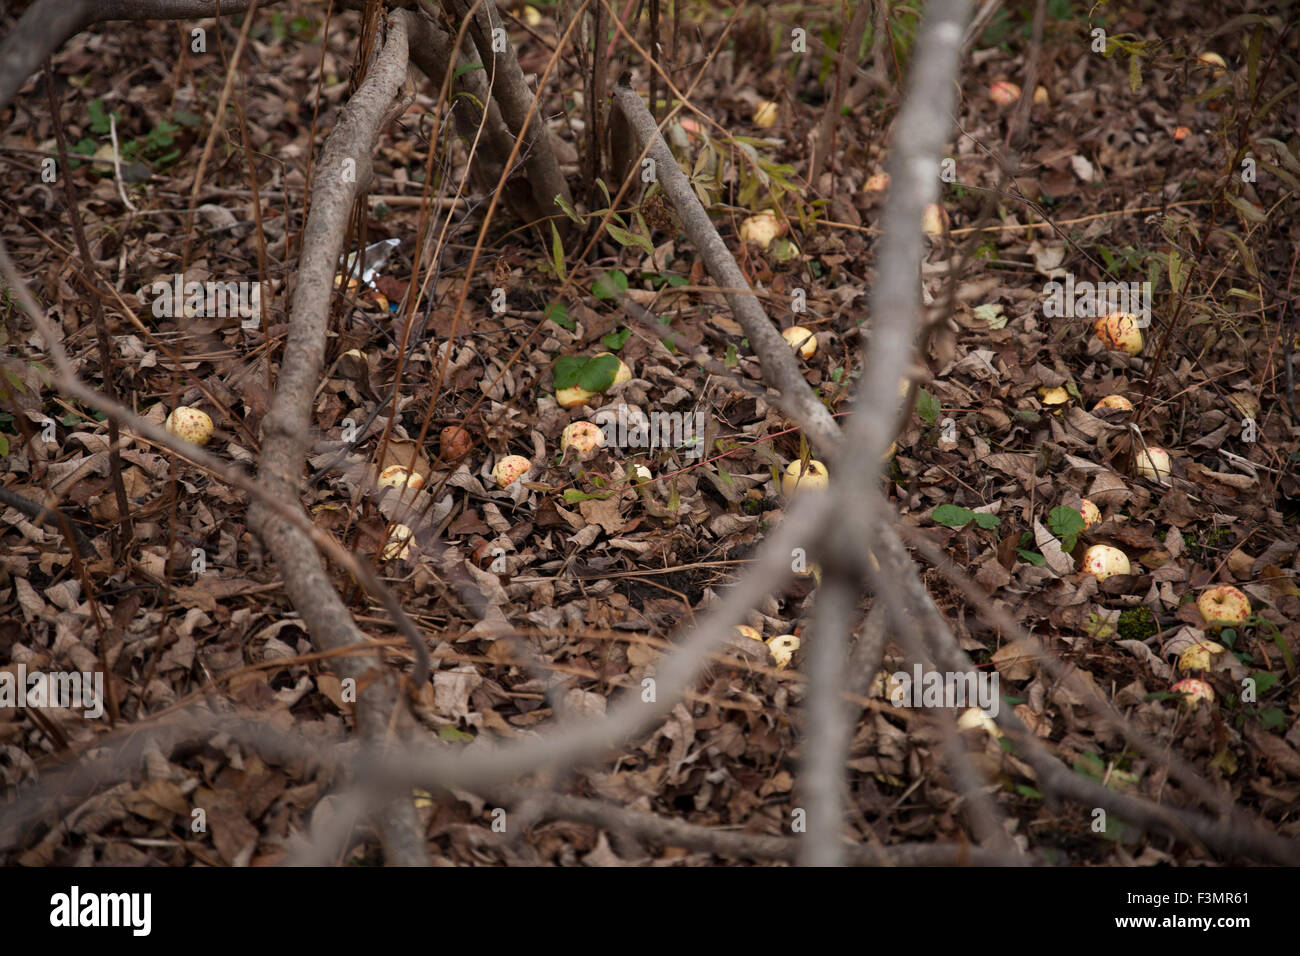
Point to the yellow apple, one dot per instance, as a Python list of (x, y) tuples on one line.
[(395, 476), (800, 478), (191, 424), (1102, 561), (796, 336), (1090, 512), (1194, 691), (1113, 403), (1223, 606), (1004, 92), (1153, 463)]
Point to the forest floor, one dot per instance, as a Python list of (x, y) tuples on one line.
[(1131, 172)]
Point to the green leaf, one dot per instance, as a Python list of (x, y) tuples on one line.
[(558, 314), (4, 445), (594, 374), (1065, 522), (928, 407), (730, 361), (987, 521), (557, 253), (1264, 681), (568, 210), (466, 68), (1031, 557), (453, 735), (573, 495), (616, 340), (610, 285), (952, 516)]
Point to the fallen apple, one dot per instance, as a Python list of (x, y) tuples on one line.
[(1119, 332), (799, 477), (1223, 606), (1040, 95), (454, 442), (573, 396), (935, 220), (622, 375), (876, 183), (1056, 395), (395, 476), (1102, 561), (744, 630), (797, 337), (1004, 92), (1214, 61), (1116, 403), (190, 424), (510, 469), (765, 114), (1194, 691), (762, 228), (1199, 656), (398, 543), (1090, 512), (641, 473), (782, 648), (1152, 462), (583, 436), (1181, 133)]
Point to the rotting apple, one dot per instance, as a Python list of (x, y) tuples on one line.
[(1119, 332), (623, 374), (761, 228), (455, 443), (744, 630), (582, 436), (397, 476), (1090, 512), (510, 469), (1223, 606), (1102, 561), (797, 337), (1115, 403), (782, 648)]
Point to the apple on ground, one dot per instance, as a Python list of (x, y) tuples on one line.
[(1055, 395), (797, 337), (876, 183), (455, 443), (762, 228), (583, 436), (934, 220), (397, 545), (765, 114), (1090, 512), (190, 424), (782, 648), (1199, 656), (1004, 92), (1119, 332), (396, 476), (1153, 463), (1194, 691), (1117, 403), (1223, 606), (510, 469), (744, 630), (801, 477), (1103, 561)]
